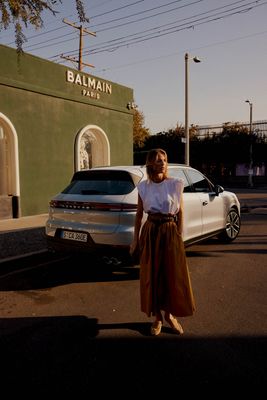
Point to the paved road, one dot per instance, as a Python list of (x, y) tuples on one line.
[(67, 329)]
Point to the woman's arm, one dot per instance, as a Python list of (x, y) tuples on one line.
[(137, 225), (180, 216)]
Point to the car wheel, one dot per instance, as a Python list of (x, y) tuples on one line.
[(232, 228)]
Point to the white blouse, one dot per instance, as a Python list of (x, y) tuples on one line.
[(163, 197)]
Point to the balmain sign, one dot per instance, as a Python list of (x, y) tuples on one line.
[(91, 87)]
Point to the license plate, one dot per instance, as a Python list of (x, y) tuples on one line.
[(77, 236)]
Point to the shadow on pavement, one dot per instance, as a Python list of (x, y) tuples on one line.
[(67, 355), (29, 275)]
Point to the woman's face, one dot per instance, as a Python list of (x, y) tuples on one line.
[(160, 164)]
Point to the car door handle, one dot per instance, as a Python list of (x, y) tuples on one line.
[(204, 203)]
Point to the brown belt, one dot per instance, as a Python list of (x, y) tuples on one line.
[(161, 218)]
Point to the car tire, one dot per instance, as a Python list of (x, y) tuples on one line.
[(232, 226)]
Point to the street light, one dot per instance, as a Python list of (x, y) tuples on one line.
[(186, 127), (250, 170)]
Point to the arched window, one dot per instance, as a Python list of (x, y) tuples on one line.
[(92, 148), (9, 168)]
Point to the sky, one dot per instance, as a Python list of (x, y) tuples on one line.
[(141, 44)]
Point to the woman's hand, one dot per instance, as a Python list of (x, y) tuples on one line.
[(135, 252), (134, 246)]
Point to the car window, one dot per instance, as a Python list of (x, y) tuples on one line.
[(102, 183), (179, 173), (199, 182)]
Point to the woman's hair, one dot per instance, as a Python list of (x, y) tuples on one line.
[(151, 158)]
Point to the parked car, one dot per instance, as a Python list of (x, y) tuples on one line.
[(96, 211)]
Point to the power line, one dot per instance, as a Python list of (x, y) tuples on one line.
[(114, 44), (182, 52), (127, 40), (135, 21), (148, 34), (145, 11), (118, 9)]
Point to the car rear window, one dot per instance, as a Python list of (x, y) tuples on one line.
[(102, 182)]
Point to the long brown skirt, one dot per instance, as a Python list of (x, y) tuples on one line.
[(164, 277)]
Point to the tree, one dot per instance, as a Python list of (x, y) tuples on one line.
[(28, 12), (140, 132)]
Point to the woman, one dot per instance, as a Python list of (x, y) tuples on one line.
[(164, 278)]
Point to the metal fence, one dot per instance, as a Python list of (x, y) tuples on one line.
[(258, 127)]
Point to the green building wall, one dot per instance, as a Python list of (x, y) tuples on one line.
[(47, 112)]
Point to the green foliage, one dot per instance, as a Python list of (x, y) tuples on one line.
[(215, 153), (140, 132), (29, 12), (170, 141)]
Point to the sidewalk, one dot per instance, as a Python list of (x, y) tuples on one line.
[(14, 224), (22, 236)]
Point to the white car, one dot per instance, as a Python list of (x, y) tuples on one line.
[(96, 211)]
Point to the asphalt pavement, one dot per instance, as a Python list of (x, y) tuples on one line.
[(26, 235), (56, 353), (22, 236)]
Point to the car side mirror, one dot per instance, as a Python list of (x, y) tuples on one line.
[(218, 189)]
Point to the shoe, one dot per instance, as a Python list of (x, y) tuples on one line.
[(174, 324), (156, 328)]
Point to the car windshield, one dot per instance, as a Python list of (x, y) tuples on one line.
[(102, 183)]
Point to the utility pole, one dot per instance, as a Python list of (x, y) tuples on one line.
[(82, 31), (186, 124), (250, 170)]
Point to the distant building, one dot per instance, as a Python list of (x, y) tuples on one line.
[(55, 120)]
